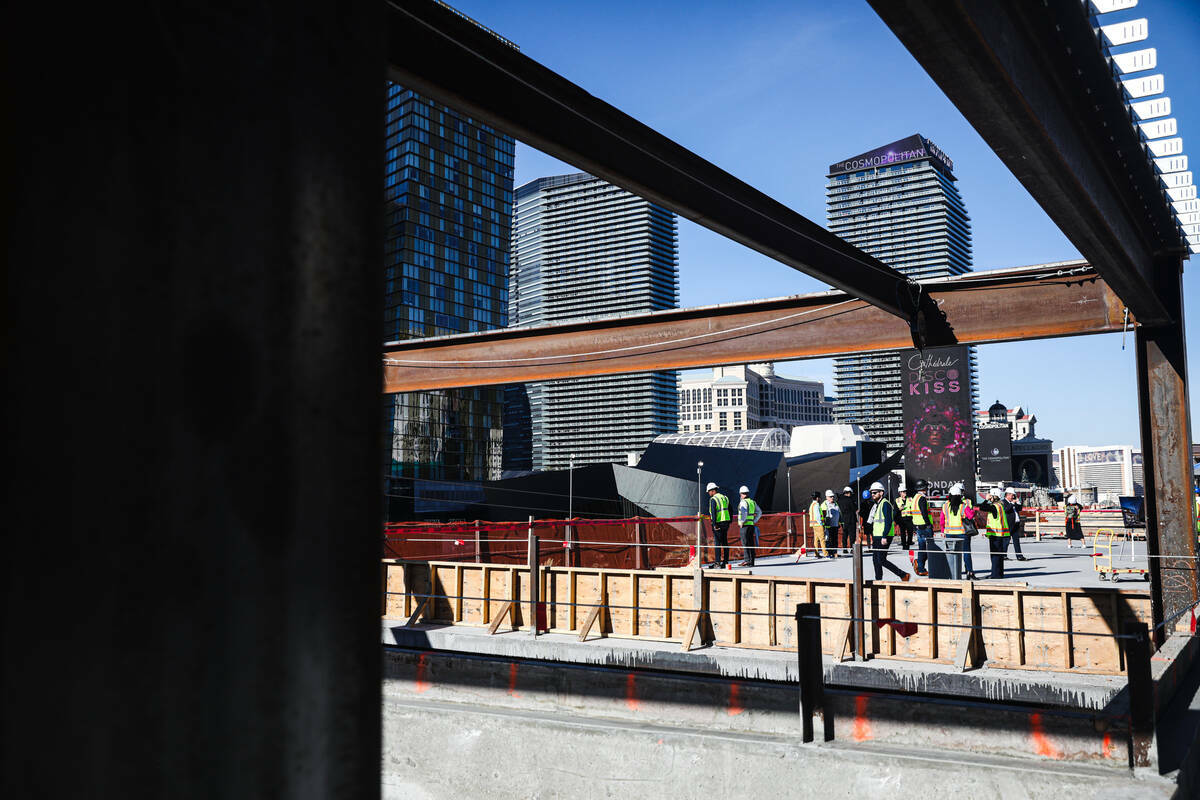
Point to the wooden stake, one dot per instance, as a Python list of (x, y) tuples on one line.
[(417, 614), (504, 612)]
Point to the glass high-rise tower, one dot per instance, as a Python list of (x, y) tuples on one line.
[(585, 248), (898, 203), (448, 205)]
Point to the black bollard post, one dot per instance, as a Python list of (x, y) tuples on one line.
[(812, 679)]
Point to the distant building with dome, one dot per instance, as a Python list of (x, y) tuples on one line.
[(1032, 457)]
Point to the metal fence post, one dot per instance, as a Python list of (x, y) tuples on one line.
[(859, 606), (812, 678), (1141, 692), (535, 579), (478, 542), (791, 533), (639, 549)]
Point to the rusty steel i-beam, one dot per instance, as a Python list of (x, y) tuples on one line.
[(1055, 300), (436, 52)]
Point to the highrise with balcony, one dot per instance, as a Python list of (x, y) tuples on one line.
[(582, 247), (898, 203)]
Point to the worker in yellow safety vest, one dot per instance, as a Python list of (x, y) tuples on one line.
[(748, 516), (904, 522), (718, 512), (1196, 512), (880, 523), (997, 530), (817, 522), (955, 513)]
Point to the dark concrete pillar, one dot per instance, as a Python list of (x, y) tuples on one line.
[(190, 587), (1167, 457)]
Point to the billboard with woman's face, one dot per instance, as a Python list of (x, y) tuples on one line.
[(939, 447)]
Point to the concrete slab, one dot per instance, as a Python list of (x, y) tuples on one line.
[(1050, 689), (1050, 563), (436, 749)]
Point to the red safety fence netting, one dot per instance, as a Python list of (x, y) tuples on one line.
[(637, 543)]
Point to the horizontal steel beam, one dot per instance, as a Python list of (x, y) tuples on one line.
[(1032, 79), (1005, 305), (439, 54)]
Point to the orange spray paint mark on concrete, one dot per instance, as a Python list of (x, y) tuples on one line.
[(862, 725), (1041, 745), (420, 684), (512, 679), (735, 700), (631, 693)]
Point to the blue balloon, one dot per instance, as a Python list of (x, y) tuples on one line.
[(867, 493)]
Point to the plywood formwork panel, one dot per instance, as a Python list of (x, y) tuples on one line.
[(652, 612), (683, 604), (444, 586), (754, 601), (1063, 629), (472, 589), (914, 603), (396, 591), (999, 613), (788, 594), (722, 605)]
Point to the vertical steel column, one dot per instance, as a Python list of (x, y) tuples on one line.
[(194, 299), (1166, 452)]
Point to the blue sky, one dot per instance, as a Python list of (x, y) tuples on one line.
[(774, 92)]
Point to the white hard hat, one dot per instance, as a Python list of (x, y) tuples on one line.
[(710, 487), (846, 489), (1071, 499), (829, 493), (744, 490), (994, 491), (902, 488), (876, 487), (956, 490), (1009, 490)]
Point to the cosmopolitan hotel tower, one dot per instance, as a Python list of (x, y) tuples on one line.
[(898, 203), (585, 248), (448, 206)]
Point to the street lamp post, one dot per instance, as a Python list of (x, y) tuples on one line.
[(789, 488)]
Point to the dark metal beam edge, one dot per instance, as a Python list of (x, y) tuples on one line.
[(966, 282), (1010, 68), (443, 56)]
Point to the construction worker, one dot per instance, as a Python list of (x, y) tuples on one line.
[(833, 522), (718, 512), (997, 530), (922, 523), (1016, 526), (1073, 529), (1196, 512), (748, 515), (881, 525), (817, 524), (904, 523), (955, 512), (848, 504)]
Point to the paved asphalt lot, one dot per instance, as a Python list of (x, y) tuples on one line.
[(1049, 563)]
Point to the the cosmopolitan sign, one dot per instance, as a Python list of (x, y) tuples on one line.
[(912, 148)]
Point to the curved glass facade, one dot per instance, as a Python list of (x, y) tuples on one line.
[(585, 248)]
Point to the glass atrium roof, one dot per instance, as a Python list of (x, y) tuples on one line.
[(757, 439)]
